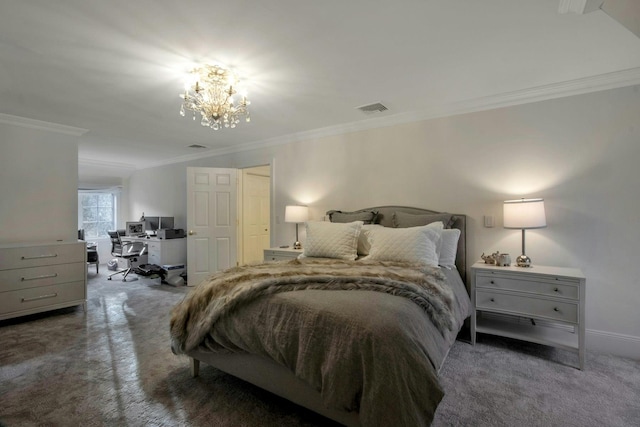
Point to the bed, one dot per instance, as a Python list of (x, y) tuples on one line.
[(360, 341)]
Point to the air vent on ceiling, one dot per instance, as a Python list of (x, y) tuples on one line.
[(196, 146), (378, 107)]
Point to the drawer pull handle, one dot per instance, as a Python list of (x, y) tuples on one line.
[(492, 282), (492, 300), (39, 256), (40, 297), (556, 290), (45, 276), (556, 309)]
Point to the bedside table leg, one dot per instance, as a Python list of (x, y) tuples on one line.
[(473, 327), (581, 347), (195, 367)]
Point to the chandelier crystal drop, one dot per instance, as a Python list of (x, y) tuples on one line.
[(211, 94)]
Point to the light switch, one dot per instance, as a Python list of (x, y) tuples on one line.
[(488, 221)]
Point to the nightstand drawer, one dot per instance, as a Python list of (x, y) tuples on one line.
[(281, 254), (526, 306), (555, 288)]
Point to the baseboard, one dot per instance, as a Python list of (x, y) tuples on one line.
[(612, 343), (597, 341)]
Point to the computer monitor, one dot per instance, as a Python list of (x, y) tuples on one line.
[(135, 228), (151, 224), (166, 222)]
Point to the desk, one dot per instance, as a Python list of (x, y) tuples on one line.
[(163, 251), (92, 255)]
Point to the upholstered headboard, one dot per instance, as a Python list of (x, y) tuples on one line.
[(385, 218)]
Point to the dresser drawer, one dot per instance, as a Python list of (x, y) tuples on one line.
[(34, 277), (34, 256), (526, 306), (33, 298), (552, 286)]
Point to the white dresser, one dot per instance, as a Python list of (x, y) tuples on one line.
[(540, 304), (41, 277), (281, 254)]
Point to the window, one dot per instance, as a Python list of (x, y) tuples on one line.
[(96, 213)]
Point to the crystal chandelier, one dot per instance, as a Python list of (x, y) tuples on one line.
[(211, 95)]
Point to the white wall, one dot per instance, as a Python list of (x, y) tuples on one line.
[(38, 185), (581, 154)]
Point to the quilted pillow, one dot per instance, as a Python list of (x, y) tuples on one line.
[(449, 247), (364, 241), (332, 240), (403, 220), (414, 244), (367, 217)]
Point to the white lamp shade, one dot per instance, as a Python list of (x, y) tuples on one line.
[(524, 214), (296, 214)]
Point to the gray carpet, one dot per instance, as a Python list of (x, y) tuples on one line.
[(113, 367)]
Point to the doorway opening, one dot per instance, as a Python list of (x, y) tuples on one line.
[(254, 206)]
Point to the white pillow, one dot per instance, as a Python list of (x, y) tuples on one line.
[(364, 243), (332, 239), (439, 227), (449, 247), (414, 244)]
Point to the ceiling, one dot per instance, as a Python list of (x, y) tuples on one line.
[(115, 68)]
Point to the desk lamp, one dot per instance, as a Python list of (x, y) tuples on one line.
[(296, 214), (524, 214)]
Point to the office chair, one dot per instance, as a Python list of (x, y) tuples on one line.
[(125, 250), (92, 251)]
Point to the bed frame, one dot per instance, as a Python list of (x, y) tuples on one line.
[(275, 378)]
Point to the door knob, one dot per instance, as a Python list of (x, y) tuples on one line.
[(191, 232)]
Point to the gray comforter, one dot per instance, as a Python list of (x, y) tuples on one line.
[(370, 337)]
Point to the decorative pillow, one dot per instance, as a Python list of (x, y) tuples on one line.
[(367, 217), (364, 241), (414, 244), (332, 240), (404, 220), (449, 247)]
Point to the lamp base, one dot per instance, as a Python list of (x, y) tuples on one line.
[(297, 245), (523, 261)]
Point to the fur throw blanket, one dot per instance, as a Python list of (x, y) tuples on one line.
[(227, 291)]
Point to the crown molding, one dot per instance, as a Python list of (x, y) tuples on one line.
[(41, 125), (617, 79), (95, 163)]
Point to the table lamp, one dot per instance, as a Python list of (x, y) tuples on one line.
[(524, 214), (296, 214)]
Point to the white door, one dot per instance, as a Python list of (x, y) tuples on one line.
[(211, 221), (255, 216)]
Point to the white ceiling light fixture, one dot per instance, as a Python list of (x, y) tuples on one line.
[(210, 93), (579, 6)]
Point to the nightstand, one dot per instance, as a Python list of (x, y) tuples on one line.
[(539, 304), (281, 254)]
